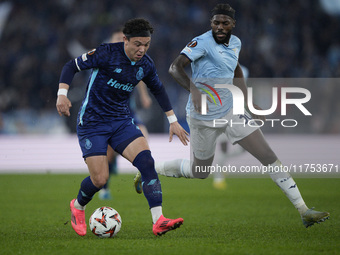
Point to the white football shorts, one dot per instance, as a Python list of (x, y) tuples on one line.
[(203, 133)]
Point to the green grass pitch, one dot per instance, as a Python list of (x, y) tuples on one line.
[(251, 217)]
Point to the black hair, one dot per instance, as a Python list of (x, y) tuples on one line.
[(224, 9), (137, 27)]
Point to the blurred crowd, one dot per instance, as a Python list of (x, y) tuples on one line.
[(286, 38)]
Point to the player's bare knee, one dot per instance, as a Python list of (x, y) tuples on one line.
[(99, 180)]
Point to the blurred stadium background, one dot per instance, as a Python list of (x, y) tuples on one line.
[(286, 38)]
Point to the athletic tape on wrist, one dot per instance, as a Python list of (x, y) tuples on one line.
[(172, 118), (62, 92)]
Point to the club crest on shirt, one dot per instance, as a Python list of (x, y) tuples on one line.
[(140, 74), (88, 144)]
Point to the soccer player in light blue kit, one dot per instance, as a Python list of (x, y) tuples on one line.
[(214, 60), (104, 118)]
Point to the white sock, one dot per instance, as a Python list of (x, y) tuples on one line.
[(218, 177), (174, 168), (220, 160), (156, 212), (288, 186), (78, 206)]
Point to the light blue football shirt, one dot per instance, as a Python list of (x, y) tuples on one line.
[(212, 63)]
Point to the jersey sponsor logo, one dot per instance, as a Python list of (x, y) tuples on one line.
[(126, 87), (140, 74), (192, 44)]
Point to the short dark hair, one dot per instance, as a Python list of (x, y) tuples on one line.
[(224, 9), (137, 27)]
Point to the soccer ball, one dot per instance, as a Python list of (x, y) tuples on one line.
[(105, 222)]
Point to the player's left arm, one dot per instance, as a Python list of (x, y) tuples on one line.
[(157, 89), (240, 82), (176, 128)]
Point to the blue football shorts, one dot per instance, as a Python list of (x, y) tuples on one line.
[(95, 137)]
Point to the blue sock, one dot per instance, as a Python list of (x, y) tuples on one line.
[(86, 191), (112, 170), (151, 185), (106, 186), (113, 166)]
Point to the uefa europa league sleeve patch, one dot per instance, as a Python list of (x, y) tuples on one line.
[(192, 44)]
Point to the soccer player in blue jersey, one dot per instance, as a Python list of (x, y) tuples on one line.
[(146, 101), (214, 60), (104, 118)]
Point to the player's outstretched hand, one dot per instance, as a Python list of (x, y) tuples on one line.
[(63, 105), (177, 129)]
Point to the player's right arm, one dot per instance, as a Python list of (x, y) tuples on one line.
[(177, 71), (193, 51), (92, 59), (63, 103)]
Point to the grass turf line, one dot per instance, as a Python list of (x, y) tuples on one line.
[(251, 217)]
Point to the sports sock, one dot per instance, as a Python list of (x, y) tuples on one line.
[(151, 185), (78, 206), (175, 168), (86, 191), (106, 185), (220, 160), (113, 166), (112, 170), (156, 212), (285, 181)]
